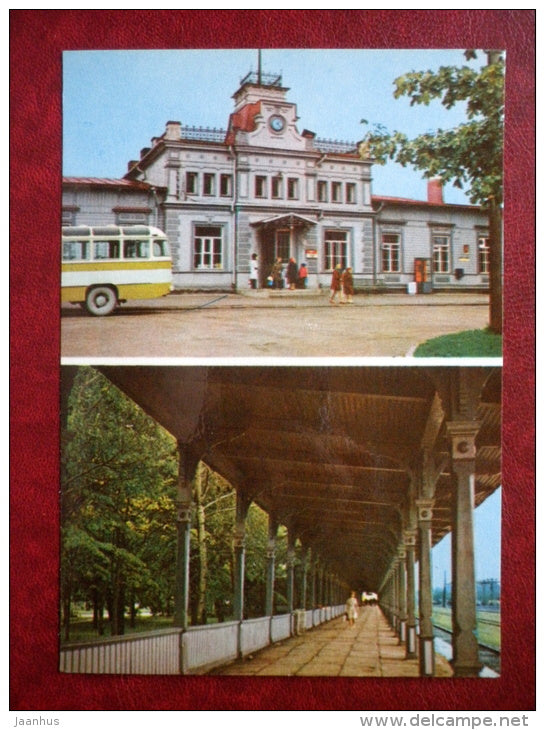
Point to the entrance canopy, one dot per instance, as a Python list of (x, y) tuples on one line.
[(283, 220), (340, 455)]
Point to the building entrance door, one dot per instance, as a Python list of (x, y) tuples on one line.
[(422, 276), (275, 244), (282, 245)]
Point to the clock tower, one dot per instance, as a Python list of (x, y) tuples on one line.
[(262, 115)]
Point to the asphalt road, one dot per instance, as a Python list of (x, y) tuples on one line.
[(269, 325)]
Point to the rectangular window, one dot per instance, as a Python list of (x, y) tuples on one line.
[(322, 191), (126, 218), (336, 190), (350, 192), (391, 253), (260, 186), (441, 254), (276, 187), (208, 247), (226, 185), (191, 180), (293, 188), (208, 184), (484, 255), (335, 249), (68, 217), (75, 251)]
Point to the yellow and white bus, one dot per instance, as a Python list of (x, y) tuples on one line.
[(103, 266)]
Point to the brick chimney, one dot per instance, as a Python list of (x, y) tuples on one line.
[(435, 191), (173, 130)]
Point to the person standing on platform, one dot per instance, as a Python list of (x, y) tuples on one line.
[(291, 274), (253, 271), (352, 608), (276, 274), (347, 282), (303, 276), (335, 284)]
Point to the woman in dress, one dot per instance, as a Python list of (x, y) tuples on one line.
[(335, 287), (352, 608)]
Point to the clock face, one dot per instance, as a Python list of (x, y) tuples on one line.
[(277, 123)]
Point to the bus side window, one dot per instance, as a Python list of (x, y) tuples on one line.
[(159, 248), (129, 249), (106, 249), (74, 250), (135, 250)]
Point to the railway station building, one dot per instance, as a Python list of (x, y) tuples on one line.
[(267, 186)]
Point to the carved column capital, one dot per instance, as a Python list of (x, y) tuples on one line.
[(424, 508), (462, 436), (183, 512)]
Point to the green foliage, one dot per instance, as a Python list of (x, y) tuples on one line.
[(471, 343), (119, 472), (117, 501), (470, 154)]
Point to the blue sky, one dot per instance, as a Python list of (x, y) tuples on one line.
[(487, 520), (114, 102)]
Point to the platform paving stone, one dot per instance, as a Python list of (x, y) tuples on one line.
[(370, 648)]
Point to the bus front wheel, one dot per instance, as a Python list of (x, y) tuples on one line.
[(101, 300)]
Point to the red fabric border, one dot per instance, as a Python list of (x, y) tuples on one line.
[(37, 40)]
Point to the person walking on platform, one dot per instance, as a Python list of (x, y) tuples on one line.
[(335, 284), (347, 282), (352, 608)]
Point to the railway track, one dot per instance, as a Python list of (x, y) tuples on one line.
[(489, 656)]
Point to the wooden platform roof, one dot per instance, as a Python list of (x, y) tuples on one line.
[(329, 451)]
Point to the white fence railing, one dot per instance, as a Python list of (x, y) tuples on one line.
[(280, 627), (196, 650), (254, 634), (206, 647), (156, 652)]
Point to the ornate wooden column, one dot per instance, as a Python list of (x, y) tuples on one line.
[(328, 581), (313, 571), (304, 574), (427, 653), (187, 466), (320, 585), (402, 593), (465, 647), (271, 552), (410, 550), (290, 570), (395, 595)]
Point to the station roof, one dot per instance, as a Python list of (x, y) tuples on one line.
[(107, 182)]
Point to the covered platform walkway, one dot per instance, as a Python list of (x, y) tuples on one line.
[(367, 468), (369, 648)]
